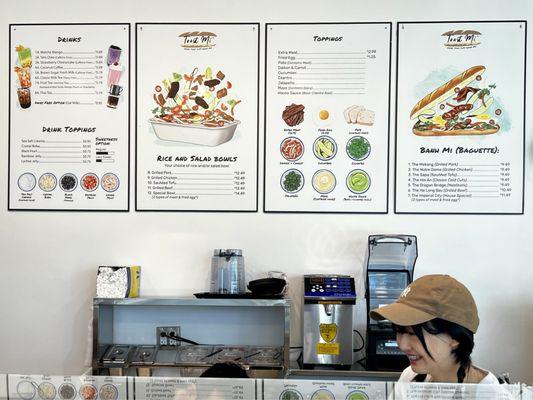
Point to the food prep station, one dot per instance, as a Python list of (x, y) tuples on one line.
[(252, 333)]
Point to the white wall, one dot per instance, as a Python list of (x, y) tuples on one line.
[(49, 260)]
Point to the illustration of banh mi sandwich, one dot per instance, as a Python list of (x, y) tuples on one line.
[(461, 106)]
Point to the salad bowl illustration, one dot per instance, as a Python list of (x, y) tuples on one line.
[(195, 109)]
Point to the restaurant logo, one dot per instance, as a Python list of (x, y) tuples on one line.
[(198, 40), (328, 332), (406, 291), (461, 39)]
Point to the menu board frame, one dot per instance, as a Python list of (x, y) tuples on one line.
[(390, 24), (258, 25), (398, 24), (127, 209)]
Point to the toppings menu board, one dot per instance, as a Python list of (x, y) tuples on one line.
[(29, 387), (460, 117), (197, 117), (327, 117), (69, 117), (278, 389)]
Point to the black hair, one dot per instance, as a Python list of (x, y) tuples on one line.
[(225, 370), (462, 335)]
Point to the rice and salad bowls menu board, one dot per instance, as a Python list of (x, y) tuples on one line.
[(69, 117), (460, 117), (197, 117), (327, 117)]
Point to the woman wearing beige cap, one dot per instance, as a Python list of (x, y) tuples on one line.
[(435, 319)]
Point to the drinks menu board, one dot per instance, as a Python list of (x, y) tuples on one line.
[(197, 116), (460, 117), (327, 117), (69, 117)]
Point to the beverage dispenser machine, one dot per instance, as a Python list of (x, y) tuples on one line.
[(328, 320), (390, 263)]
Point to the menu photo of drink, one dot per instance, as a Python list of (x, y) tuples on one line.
[(327, 117), (69, 117), (460, 117), (197, 117)]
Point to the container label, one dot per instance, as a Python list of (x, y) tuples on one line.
[(328, 332), (328, 348)]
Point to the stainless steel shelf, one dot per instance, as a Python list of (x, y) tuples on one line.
[(192, 301)]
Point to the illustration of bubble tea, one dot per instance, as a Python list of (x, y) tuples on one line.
[(114, 74), (113, 55), (24, 75), (24, 54), (114, 96), (24, 95)]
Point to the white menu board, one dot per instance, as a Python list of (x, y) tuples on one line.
[(197, 117), (194, 389), (460, 117), (85, 387), (443, 391), (278, 389), (3, 386), (327, 117), (69, 117)]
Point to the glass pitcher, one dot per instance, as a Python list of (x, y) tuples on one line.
[(227, 272)]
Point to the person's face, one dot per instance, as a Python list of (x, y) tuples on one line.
[(440, 346)]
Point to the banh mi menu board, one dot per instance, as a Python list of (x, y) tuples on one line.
[(69, 117), (197, 117), (327, 105), (460, 117), (194, 388), (30, 387), (278, 389)]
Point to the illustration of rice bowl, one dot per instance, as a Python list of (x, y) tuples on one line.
[(47, 182), (27, 182), (194, 134), (26, 390), (324, 181), (358, 181), (196, 107)]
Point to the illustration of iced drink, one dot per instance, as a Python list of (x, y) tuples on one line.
[(113, 55), (114, 74), (24, 54), (24, 95), (24, 75), (114, 96)]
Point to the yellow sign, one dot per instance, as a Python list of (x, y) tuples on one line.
[(328, 332), (332, 349)]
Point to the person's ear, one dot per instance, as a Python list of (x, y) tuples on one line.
[(454, 344)]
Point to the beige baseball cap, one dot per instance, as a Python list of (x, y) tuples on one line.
[(429, 297)]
